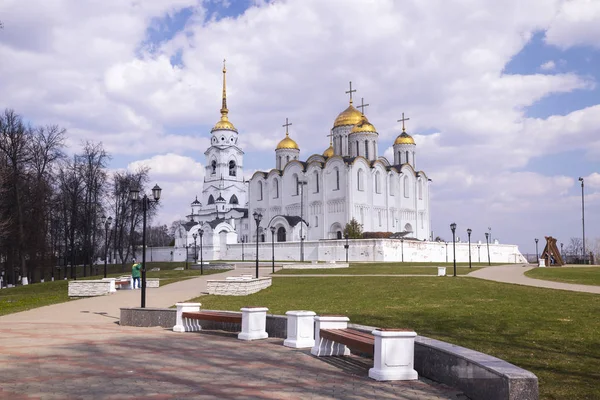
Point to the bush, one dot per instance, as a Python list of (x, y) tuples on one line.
[(377, 235)]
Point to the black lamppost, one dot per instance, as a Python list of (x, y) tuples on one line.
[(346, 246), (469, 231), (242, 249), (273, 247), (258, 217), (301, 183), (187, 255), (106, 223), (402, 248), (453, 228), (201, 232), (582, 217), (537, 254), (487, 241), (134, 195), (195, 235)]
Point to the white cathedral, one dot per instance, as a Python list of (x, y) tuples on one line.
[(312, 199)]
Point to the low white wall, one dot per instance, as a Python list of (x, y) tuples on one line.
[(237, 287), (359, 250), (88, 288)]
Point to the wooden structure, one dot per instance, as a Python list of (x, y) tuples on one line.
[(551, 254)]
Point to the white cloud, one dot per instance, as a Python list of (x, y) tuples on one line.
[(548, 66), (577, 23)]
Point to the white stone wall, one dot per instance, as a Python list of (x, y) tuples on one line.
[(88, 288), (237, 288)]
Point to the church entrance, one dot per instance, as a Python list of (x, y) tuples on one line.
[(339, 234), (281, 234)]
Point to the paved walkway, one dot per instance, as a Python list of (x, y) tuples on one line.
[(516, 274), (77, 350)]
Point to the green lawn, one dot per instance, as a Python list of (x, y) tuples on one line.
[(22, 298), (552, 333), (390, 268), (582, 275)]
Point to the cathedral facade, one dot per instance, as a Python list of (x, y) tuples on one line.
[(311, 199), (315, 199)]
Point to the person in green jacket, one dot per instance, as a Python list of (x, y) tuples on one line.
[(135, 274)]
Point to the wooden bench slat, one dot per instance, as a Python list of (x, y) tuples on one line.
[(213, 316), (356, 340)]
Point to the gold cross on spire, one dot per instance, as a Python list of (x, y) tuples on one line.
[(362, 105), (402, 120), (286, 126), (350, 91)]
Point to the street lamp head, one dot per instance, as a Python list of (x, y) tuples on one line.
[(580, 179), (201, 232), (103, 219), (257, 217), (109, 221), (536, 240), (469, 231), (134, 194), (194, 235), (273, 230), (453, 227), (156, 190), (487, 235)]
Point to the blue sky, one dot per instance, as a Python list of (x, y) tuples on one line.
[(503, 98)]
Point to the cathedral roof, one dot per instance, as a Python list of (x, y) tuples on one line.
[(363, 126), (196, 201), (350, 116), (404, 138), (287, 143), (213, 224), (293, 220), (224, 123)]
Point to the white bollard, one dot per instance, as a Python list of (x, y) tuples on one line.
[(300, 329), (185, 324), (394, 355), (441, 271), (254, 323), (324, 347)]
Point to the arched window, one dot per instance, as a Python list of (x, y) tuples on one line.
[(260, 190), (288, 158), (211, 199), (275, 188), (399, 157), (337, 179), (316, 177), (377, 182), (360, 179), (366, 149), (357, 150), (233, 200), (281, 234), (406, 187), (213, 165), (316, 220), (232, 168), (407, 157)]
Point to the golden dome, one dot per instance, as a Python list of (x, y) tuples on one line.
[(287, 143), (363, 126), (224, 124), (350, 116), (329, 152), (404, 138)]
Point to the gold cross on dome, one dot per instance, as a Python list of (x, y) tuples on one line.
[(286, 125), (350, 91), (402, 120), (362, 105)]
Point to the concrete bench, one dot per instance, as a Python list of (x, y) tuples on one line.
[(392, 349), (252, 319)]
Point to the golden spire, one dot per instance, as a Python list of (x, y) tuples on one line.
[(224, 110), (224, 122)]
